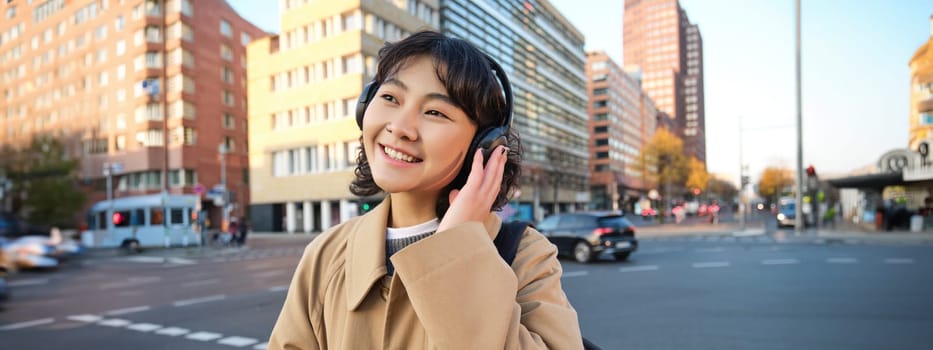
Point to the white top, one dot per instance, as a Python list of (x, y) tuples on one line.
[(405, 232)]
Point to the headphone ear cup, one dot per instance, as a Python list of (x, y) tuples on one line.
[(369, 90), (488, 140)]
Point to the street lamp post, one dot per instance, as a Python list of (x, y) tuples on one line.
[(798, 207), (222, 150)]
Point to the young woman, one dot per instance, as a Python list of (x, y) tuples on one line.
[(420, 271)]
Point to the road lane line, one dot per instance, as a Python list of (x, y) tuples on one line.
[(779, 261), (27, 324), (172, 331), (575, 274), (203, 336), (128, 310), (85, 318), (713, 264), (114, 322), (199, 300), (262, 346), (132, 282), (638, 268), (187, 302), (710, 250), (144, 327), (270, 273), (842, 260), (281, 288), (237, 341), (898, 261), (29, 282), (200, 283)]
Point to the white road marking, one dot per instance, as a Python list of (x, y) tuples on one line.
[(29, 282), (172, 331), (749, 232), (27, 324), (146, 259), (270, 273), (199, 300), (132, 282), (281, 288), (200, 283), (704, 265), (128, 310), (638, 268), (237, 341), (575, 274), (262, 346), (842, 260), (710, 250), (144, 327), (85, 318), (898, 261), (779, 261), (203, 336), (114, 322), (181, 261)]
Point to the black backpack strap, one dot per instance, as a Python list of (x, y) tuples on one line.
[(510, 234)]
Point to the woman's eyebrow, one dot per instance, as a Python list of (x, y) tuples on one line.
[(396, 82)]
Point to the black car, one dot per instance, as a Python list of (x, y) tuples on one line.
[(585, 236)]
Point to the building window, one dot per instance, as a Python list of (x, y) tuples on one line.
[(227, 75), (245, 39), (227, 98), (229, 121), (225, 52), (95, 146), (229, 144), (225, 29), (153, 59), (119, 143)]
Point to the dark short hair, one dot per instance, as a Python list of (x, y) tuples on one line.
[(473, 87)]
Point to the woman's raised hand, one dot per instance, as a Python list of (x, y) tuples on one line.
[(474, 201)]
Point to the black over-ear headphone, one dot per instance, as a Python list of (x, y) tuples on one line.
[(487, 139)]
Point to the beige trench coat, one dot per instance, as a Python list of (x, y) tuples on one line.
[(451, 290)]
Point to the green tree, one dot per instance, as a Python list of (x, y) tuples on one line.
[(45, 189), (773, 181)]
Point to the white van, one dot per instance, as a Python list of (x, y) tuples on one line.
[(139, 221)]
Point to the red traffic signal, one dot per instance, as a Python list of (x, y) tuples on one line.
[(118, 218), (811, 171), (696, 191)]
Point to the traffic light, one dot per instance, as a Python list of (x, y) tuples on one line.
[(118, 219), (696, 191), (811, 171)]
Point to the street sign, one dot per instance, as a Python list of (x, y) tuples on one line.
[(198, 188), (116, 167)]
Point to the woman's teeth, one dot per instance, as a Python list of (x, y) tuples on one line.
[(398, 155)]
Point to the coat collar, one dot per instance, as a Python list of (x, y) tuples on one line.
[(366, 251)]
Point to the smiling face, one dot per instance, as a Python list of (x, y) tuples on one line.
[(414, 135)]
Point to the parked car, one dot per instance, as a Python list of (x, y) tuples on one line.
[(5, 269), (648, 212), (586, 236)]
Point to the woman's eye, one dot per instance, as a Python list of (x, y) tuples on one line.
[(389, 98), (436, 114)]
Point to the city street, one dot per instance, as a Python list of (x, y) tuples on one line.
[(703, 290)]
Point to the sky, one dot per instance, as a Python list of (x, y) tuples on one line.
[(855, 74)]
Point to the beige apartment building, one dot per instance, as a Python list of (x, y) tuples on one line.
[(86, 71), (303, 88), (659, 40), (921, 95), (622, 119)]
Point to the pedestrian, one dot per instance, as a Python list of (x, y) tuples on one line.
[(243, 231), (420, 270)]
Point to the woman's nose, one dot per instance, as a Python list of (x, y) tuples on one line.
[(405, 126)]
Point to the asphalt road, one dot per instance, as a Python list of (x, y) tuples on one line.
[(699, 292)]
